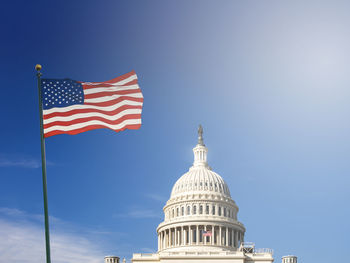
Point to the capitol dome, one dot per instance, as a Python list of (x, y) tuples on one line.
[(200, 213), (199, 180)]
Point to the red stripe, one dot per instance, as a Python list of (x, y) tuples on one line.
[(112, 81), (93, 118), (122, 77), (110, 93), (113, 102), (92, 127), (104, 85), (72, 112)]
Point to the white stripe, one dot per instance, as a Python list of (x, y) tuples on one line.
[(84, 124), (115, 88), (122, 82), (113, 97), (93, 114), (81, 107)]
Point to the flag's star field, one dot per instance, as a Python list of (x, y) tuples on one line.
[(61, 93)]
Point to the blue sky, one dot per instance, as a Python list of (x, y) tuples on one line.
[(268, 80)]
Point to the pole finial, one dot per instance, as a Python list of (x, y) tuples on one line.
[(38, 67), (200, 135)]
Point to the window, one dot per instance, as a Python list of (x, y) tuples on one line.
[(194, 209), (219, 212), (225, 211), (177, 211), (182, 211), (229, 213), (173, 213), (213, 209), (200, 209), (188, 210), (207, 209)]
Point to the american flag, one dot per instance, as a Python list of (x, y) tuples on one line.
[(73, 107), (207, 233)]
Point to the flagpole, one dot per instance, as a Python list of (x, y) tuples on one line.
[(43, 166)]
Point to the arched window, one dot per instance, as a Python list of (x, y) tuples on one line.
[(213, 209), (188, 210), (200, 209), (177, 211), (194, 209), (182, 211), (219, 212), (224, 211), (207, 209), (173, 213), (229, 213)]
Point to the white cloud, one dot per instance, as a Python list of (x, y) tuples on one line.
[(157, 197), (22, 239), (25, 163), (140, 213), (16, 160)]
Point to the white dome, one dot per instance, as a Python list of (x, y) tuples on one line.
[(200, 180)]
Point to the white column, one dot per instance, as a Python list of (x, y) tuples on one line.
[(226, 236), (182, 236), (212, 235), (164, 239), (220, 238), (190, 235), (158, 242), (175, 236), (197, 235), (232, 238), (167, 238)]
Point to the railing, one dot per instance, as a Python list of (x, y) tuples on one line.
[(263, 251), (200, 253)]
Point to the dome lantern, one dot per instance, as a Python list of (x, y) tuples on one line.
[(200, 151)]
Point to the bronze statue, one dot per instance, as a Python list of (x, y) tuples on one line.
[(200, 135)]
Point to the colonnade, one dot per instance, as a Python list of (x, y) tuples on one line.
[(194, 235)]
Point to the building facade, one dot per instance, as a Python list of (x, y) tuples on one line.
[(200, 221)]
